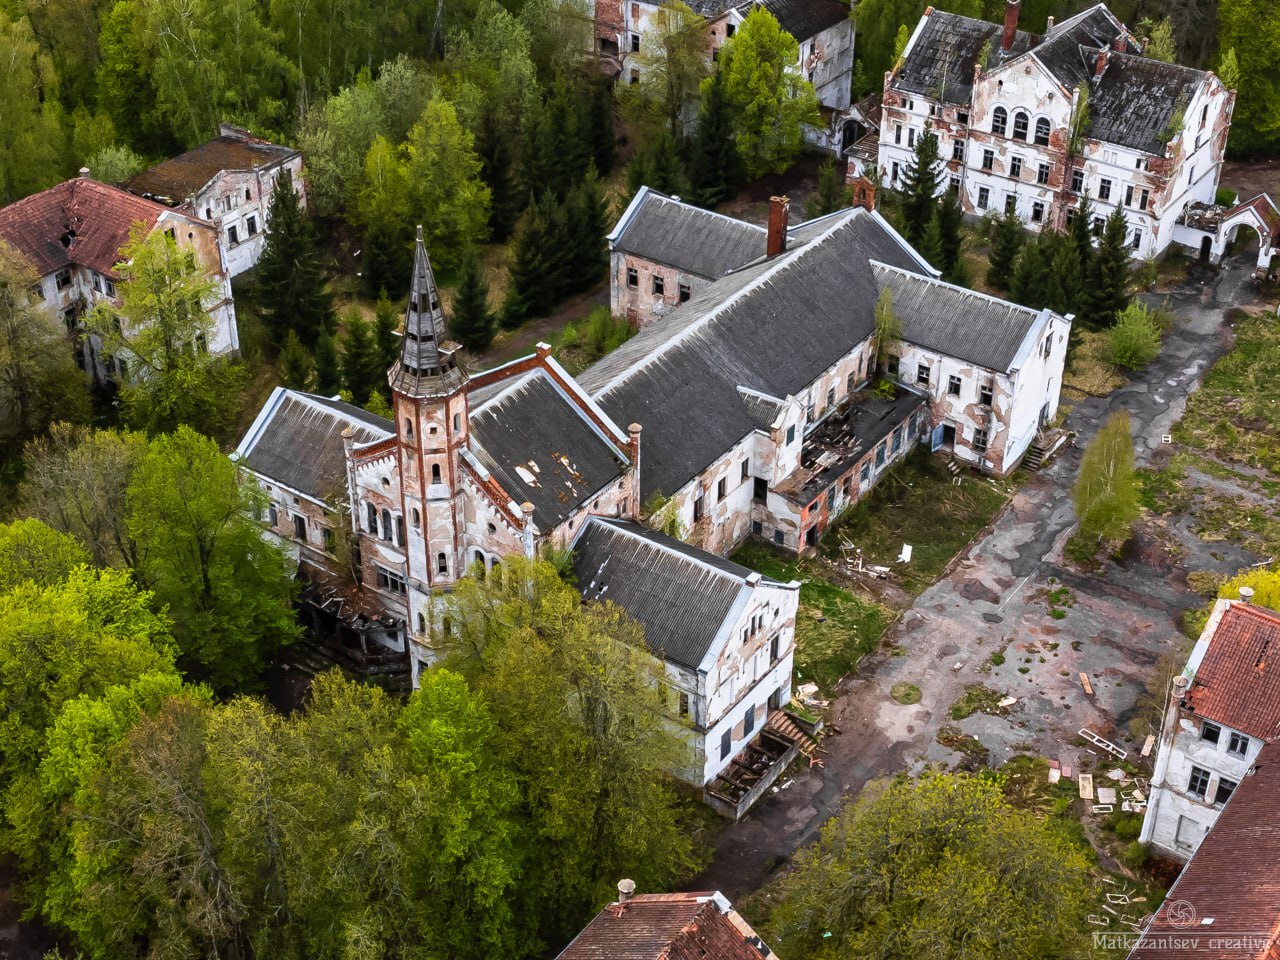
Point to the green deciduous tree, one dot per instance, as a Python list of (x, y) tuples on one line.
[(942, 866), (162, 332), (335, 137), (1007, 238), (1250, 30), (473, 323), (114, 164), (716, 172), (39, 381), (920, 185), (31, 551), (888, 327), (291, 286), (769, 99), (30, 137), (1160, 41), (1134, 340), (1264, 581), (674, 63), (230, 594), (1105, 492)]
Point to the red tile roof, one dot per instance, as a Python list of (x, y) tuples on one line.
[(674, 926), (1233, 879), (80, 221), (1264, 208), (1238, 681), (179, 178)]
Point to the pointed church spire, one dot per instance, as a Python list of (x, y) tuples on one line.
[(428, 365)]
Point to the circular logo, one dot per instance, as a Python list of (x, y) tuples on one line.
[(1181, 914)]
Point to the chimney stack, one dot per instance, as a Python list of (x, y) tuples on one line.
[(1121, 44), (779, 215), (84, 173), (626, 890), (1048, 26), (1103, 55), (1011, 10), (864, 194), (1246, 594), (1180, 685)]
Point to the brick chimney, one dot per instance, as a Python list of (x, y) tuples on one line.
[(1103, 55), (779, 214), (864, 193), (1120, 44), (1011, 10)]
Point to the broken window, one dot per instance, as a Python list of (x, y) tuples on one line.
[(988, 159), (757, 528), (442, 564), (1198, 785), (635, 43), (831, 396), (1042, 132), (850, 384), (775, 648), (749, 721), (684, 704), (62, 279), (685, 292), (299, 527), (760, 493), (1010, 203), (897, 134), (251, 225), (326, 536), (1137, 239), (746, 470), (273, 518), (880, 455), (1238, 744), (922, 374), (728, 29), (371, 518), (386, 524), (1225, 789), (953, 185), (659, 285), (435, 473), (1077, 181), (1098, 224), (980, 440), (891, 363), (911, 137), (791, 435), (1104, 189), (957, 150), (399, 531), (894, 178), (726, 744), (633, 278), (1210, 732), (897, 439), (699, 508), (999, 121), (953, 386), (635, 77), (247, 194), (1042, 174), (984, 395), (390, 580), (97, 282), (111, 287), (1142, 199), (722, 489), (864, 475), (1020, 120), (232, 236), (1037, 212), (1015, 168)]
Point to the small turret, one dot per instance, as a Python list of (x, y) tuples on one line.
[(428, 365)]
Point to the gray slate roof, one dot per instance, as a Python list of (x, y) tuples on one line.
[(686, 237), (773, 327), (806, 18), (680, 595), (940, 62), (299, 444), (960, 323), (1070, 51), (1134, 100), (539, 446)]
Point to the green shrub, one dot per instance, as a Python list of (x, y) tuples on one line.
[(1128, 826), (1225, 197), (1134, 855), (1134, 341)]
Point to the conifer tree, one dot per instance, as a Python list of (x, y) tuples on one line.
[(361, 366), (920, 185), (386, 325), (1110, 274), (328, 374), (716, 171), (533, 282), (1007, 237), (930, 245), (668, 171), (1028, 285), (950, 219), (1081, 231), (295, 363), (290, 275), (473, 321), (831, 193), (494, 151), (386, 260), (600, 126), (640, 172), (586, 226), (1066, 278), (540, 168)]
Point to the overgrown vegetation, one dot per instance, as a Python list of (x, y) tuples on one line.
[(977, 698), (579, 346)]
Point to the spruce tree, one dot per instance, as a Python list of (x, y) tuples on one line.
[(586, 226), (328, 373), (295, 363), (1081, 232), (1109, 276), (950, 220), (600, 125), (386, 260), (1028, 284), (533, 283), (473, 321), (361, 366), (716, 172), (386, 326), (1007, 237), (920, 185), (831, 193), (492, 146), (668, 170), (291, 282), (930, 245), (1066, 279), (639, 172), (539, 166)]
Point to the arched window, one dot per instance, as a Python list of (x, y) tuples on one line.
[(999, 121), (1042, 132), (435, 473), (399, 531), (442, 563), (422, 624), (408, 428), (417, 519), (371, 515), (1020, 125), (386, 524)]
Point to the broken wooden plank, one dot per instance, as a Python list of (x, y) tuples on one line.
[(1084, 682), (1086, 786), (1148, 744)]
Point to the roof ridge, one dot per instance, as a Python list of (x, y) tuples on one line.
[(782, 262), (965, 291), (621, 525)]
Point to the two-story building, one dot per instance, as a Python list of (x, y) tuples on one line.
[(228, 182), (72, 235), (822, 28), (1224, 708), (1029, 124)]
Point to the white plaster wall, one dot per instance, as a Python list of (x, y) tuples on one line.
[(223, 203)]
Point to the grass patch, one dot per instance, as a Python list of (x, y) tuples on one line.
[(1089, 371), (905, 693), (997, 659), (977, 699), (917, 503), (581, 344), (834, 629), (953, 738)]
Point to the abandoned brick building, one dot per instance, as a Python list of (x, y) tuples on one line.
[(1029, 124), (624, 30), (228, 182), (475, 468), (71, 235)]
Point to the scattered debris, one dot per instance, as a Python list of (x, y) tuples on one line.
[(1148, 744), (1086, 786), (1106, 795), (1054, 774), (1106, 745), (1103, 807), (1084, 682), (1008, 702)]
